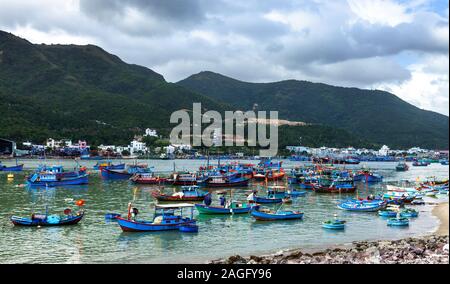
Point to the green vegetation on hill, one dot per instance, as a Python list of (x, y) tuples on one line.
[(68, 91), (83, 92), (375, 116)]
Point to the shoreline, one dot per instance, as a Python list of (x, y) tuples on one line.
[(427, 248), (441, 211)]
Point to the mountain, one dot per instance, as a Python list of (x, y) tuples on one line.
[(71, 91), (84, 92), (373, 115)]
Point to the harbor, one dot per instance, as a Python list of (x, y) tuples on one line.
[(97, 239)]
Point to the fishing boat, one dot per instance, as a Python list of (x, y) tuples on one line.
[(184, 179), (56, 176), (108, 165), (401, 167), (115, 174), (270, 175), (334, 224), (187, 193), (409, 213), (47, 220), (387, 213), (16, 168), (232, 180), (233, 208), (266, 214), (421, 164), (444, 162), (401, 222), (367, 176), (417, 202), (275, 194), (339, 185), (166, 217), (363, 206), (148, 178)]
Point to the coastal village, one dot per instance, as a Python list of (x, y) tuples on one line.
[(138, 148)]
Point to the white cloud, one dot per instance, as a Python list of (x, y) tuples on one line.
[(350, 43), (383, 12), (428, 87)]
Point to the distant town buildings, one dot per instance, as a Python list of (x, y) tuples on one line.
[(150, 132)]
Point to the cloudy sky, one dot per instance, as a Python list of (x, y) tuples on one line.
[(400, 46)]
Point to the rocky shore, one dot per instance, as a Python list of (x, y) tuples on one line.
[(422, 250)]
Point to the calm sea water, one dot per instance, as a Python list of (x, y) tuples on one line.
[(96, 240)]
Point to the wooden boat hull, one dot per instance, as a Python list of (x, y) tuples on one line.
[(27, 222), (325, 189), (262, 216), (334, 225), (358, 207), (149, 180), (111, 167), (387, 213), (140, 226), (265, 200), (398, 222), (115, 175), (236, 183), (17, 168), (213, 210), (63, 182), (169, 198)]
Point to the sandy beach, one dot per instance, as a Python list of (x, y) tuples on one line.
[(441, 212)]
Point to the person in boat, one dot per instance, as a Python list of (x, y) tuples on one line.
[(132, 212), (371, 197), (207, 199), (222, 200)]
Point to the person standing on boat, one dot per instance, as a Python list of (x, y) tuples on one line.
[(222, 200), (208, 199)]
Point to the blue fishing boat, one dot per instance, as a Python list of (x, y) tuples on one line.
[(409, 213), (363, 206), (56, 176), (271, 215), (275, 195), (387, 213), (368, 177), (47, 220), (16, 168), (334, 224), (109, 166), (165, 218), (233, 208), (233, 180), (115, 174), (401, 222)]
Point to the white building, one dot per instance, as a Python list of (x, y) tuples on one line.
[(384, 151), (298, 149), (151, 132), (136, 146)]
